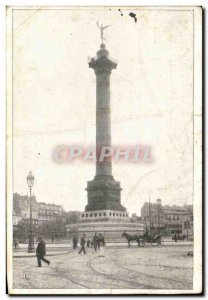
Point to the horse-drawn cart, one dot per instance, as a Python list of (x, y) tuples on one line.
[(143, 240)]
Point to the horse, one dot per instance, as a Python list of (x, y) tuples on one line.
[(131, 238)]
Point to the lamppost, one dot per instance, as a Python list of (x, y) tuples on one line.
[(159, 204), (150, 221), (187, 227), (30, 181)]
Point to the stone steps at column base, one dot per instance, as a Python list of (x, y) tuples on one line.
[(111, 230)]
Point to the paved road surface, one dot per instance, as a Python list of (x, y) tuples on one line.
[(140, 268)]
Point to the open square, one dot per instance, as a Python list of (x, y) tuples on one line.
[(115, 267)]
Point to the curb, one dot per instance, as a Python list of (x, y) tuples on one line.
[(111, 247), (34, 255)]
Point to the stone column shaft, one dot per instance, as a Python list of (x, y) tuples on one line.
[(103, 121)]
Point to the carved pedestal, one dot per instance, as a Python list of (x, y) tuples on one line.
[(104, 194)]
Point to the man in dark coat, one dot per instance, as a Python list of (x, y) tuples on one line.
[(96, 241), (41, 252), (82, 243), (16, 245), (75, 241), (88, 243)]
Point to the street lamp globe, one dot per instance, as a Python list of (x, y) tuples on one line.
[(30, 179), (159, 202)]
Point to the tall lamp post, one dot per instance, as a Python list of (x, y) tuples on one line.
[(30, 181), (150, 221), (159, 211), (187, 227)]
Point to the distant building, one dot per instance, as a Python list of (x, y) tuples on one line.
[(168, 218), (41, 212), (72, 216), (134, 218), (21, 209), (50, 212)]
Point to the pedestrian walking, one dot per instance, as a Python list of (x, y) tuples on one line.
[(82, 243), (102, 240), (52, 237), (175, 237), (95, 241), (41, 251), (99, 240), (101, 244), (16, 243), (88, 243), (75, 241)]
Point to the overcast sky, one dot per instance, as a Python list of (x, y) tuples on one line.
[(151, 101)]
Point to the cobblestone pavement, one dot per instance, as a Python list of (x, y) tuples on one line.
[(136, 268)]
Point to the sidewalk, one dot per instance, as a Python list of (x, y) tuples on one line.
[(25, 254), (52, 249), (48, 245), (59, 249)]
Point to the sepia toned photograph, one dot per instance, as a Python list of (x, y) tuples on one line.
[(104, 150)]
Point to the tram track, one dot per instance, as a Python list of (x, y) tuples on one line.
[(57, 271), (91, 282), (150, 275), (115, 278), (25, 276), (122, 276)]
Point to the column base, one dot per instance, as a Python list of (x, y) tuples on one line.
[(104, 193), (31, 250)]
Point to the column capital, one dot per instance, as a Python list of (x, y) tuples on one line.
[(102, 65)]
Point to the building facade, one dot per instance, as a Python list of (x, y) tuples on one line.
[(48, 213), (21, 209), (170, 219), (42, 212)]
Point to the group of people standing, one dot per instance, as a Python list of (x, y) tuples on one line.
[(97, 241)]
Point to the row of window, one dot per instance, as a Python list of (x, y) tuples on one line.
[(47, 212), (172, 217), (187, 226), (28, 221), (51, 208), (47, 217), (167, 217), (173, 226), (104, 214)]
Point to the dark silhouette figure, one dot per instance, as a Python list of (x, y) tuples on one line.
[(16, 244), (88, 243), (75, 242), (96, 242), (41, 252), (82, 243), (101, 239)]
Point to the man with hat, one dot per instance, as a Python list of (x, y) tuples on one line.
[(82, 243), (96, 241), (41, 251)]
